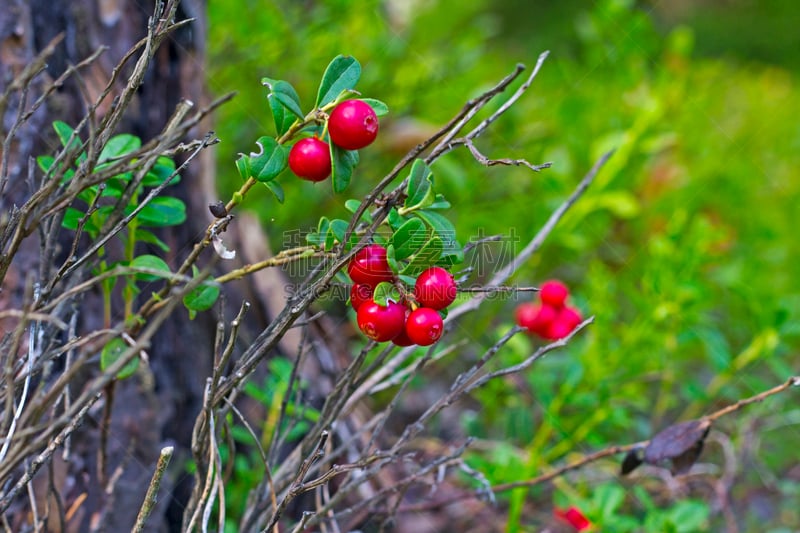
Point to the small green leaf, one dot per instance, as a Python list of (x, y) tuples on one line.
[(321, 235), (425, 257), (160, 173), (150, 262), (391, 258), (72, 218), (285, 94), (45, 162), (419, 191), (385, 292), (276, 189), (353, 205), (119, 145), (283, 117), (446, 231), (409, 238), (243, 166), (270, 161), (439, 203), (338, 227), (64, 132), (202, 297), (408, 280), (395, 220), (143, 235), (161, 212), (342, 73), (343, 163), (111, 354), (379, 107)]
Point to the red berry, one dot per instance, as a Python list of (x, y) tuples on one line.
[(310, 159), (553, 293), (353, 125), (381, 323), (360, 293), (557, 330), (574, 517), (535, 317), (424, 326), (570, 316), (369, 266), (403, 339), (435, 288)]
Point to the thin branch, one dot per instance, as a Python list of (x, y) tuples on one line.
[(296, 487), (152, 489), (485, 161)]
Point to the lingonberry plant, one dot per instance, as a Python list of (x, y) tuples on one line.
[(397, 246)]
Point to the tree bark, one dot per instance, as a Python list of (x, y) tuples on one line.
[(146, 414)]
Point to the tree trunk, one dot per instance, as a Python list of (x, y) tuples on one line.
[(146, 414)]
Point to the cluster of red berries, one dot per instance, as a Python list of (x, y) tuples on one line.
[(414, 320), (352, 125), (552, 318)]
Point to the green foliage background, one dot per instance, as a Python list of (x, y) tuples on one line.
[(685, 249)]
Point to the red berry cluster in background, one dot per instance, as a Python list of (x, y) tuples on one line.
[(352, 125), (552, 318), (416, 319), (573, 516)]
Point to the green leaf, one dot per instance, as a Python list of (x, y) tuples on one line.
[(283, 117), (419, 191), (321, 234), (45, 162), (202, 297), (395, 220), (379, 107), (285, 94), (270, 161), (119, 145), (353, 205), (143, 235), (408, 280), (111, 354), (409, 238), (439, 203), (160, 173), (452, 253), (150, 262), (342, 164), (64, 132), (425, 257), (342, 73), (391, 259), (162, 211), (72, 218), (276, 189), (243, 166), (338, 227), (384, 292)]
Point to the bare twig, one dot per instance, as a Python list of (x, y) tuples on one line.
[(297, 485), (152, 489)]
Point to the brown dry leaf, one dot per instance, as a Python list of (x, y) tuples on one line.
[(680, 443)]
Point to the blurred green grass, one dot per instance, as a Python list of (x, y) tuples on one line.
[(685, 249)]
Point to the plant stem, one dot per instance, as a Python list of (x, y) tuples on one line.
[(152, 489)]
